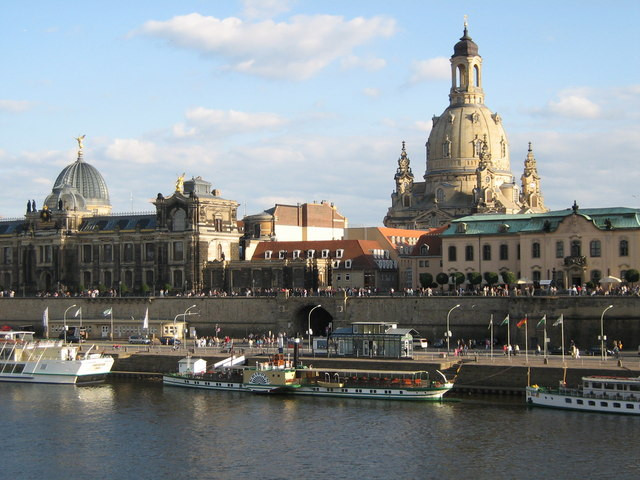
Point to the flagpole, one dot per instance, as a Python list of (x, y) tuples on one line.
[(509, 337), (491, 336), (526, 339), (562, 333), (111, 314), (545, 339)]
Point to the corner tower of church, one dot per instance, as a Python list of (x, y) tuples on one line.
[(468, 169)]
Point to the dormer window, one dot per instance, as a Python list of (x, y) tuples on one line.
[(311, 253), (296, 254), (347, 264), (339, 253), (282, 254), (325, 253), (335, 264), (424, 250), (267, 254)]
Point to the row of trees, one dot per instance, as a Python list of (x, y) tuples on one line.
[(474, 278)]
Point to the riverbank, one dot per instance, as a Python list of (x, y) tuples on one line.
[(476, 373)]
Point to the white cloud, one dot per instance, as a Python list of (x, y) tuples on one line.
[(438, 68), (265, 8), (202, 120), (372, 92), (370, 64), (132, 151), (14, 106), (574, 106), (297, 49)]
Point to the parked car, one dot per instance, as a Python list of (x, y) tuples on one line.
[(170, 341), (597, 351), (139, 339)]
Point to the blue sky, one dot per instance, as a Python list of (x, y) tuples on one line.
[(300, 101)]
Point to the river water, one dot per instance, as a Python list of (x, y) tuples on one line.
[(126, 430)]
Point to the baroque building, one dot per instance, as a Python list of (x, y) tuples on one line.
[(74, 242), (468, 168)]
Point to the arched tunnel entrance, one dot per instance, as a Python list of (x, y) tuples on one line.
[(314, 316)]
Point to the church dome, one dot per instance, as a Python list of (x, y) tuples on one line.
[(65, 197)]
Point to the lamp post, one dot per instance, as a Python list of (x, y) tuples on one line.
[(309, 325), (64, 319), (184, 316), (603, 353), (448, 332)]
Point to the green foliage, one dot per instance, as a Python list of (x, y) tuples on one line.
[(491, 278), (426, 279), (458, 278), (632, 275), (442, 278), (123, 289), (474, 278), (509, 278), (145, 289)]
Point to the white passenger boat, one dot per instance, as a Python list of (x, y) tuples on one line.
[(280, 376), (595, 394), (23, 359)]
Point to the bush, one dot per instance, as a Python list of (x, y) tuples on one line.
[(632, 275), (509, 278), (474, 278), (426, 280), (491, 278), (442, 278)]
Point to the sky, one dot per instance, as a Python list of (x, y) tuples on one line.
[(284, 101)]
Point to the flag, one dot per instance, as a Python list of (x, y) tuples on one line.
[(145, 321), (505, 321), (78, 312), (107, 312), (45, 319), (490, 323), (543, 321), (559, 321), (521, 322)]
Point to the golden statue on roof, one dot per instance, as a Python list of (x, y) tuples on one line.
[(79, 140), (180, 183)]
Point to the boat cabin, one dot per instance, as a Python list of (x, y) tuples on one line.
[(372, 340)]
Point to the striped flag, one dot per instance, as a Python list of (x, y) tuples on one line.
[(522, 322), (107, 312), (543, 321), (505, 321), (559, 321)]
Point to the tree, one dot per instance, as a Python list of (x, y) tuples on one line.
[(458, 278), (491, 278), (632, 275), (144, 289), (509, 278), (442, 278), (426, 279), (474, 278)]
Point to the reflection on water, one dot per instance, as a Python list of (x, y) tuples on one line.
[(147, 431)]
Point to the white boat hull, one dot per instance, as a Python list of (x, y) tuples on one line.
[(91, 370), (552, 399)]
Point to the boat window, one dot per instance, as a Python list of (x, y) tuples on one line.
[(616, 405), (610, 386), (567, 400), (592, 403), (604, 404), (634, 388), (579, 402), (597, 385), (630, 405)]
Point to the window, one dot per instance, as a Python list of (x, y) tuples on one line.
[(256, 231), (536, 275), (86, 278), (446, 148), (424, 250), (177, 279), (335, 264), (311, 253), (107, 253), (296, 254), (624, 248), (347, 264), (504, 252), (179, 223), (339, 253), (218, 224), (518, 251), (149, 277), (440, 195), (107, 278), (86, 254), (149, 252), (535, 250), (178, 251), (594, 248), (596, 275), (576, 248), (559, 249), (452, 254), (6, 257), (468, 253), (486, 252), (282, 254), (325, 253), (128, 252), (45, 254), (267, 254)]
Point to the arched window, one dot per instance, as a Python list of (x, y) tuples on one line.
[(424, 250), (476, 76), (453, 254), (460, 76), (576, 248), (179, 221), (468, 253), (624, 248), (446, 148), (595, 248), (177, 279), (440, 195), (535, 250)]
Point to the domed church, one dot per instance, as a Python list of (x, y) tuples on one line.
[(468, 168)]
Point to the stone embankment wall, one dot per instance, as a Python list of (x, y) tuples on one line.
[(239, 316)]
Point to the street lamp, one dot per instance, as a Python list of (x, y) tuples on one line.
[(603, 353), (183, 315), (64, 319), (448, 332), (309, 325)]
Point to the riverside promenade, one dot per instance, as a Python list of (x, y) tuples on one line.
[(479, 372)]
